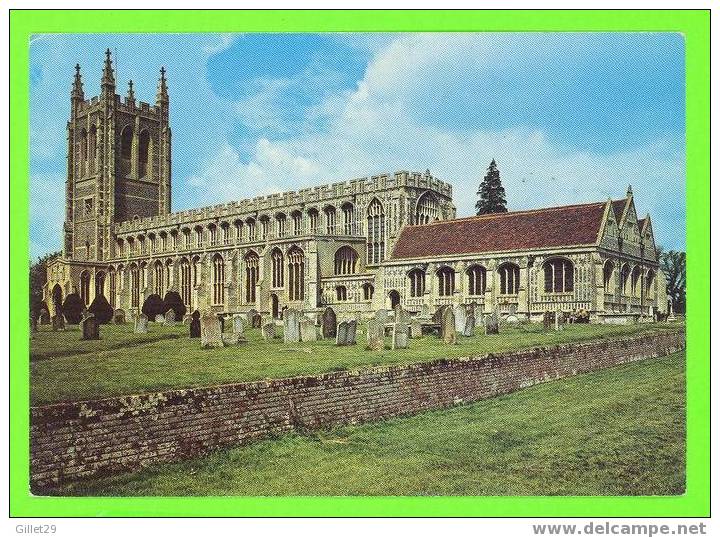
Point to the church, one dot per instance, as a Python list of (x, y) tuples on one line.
[(357, 246)]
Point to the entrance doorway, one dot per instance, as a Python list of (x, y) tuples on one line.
[(394, 297), (57, 297)]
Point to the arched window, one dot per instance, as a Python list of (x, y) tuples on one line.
[(120, 247), (446, 281), (134, 286), (278, 268), (212, 228), (83, 150), (368, 291), (341, 293), (252, 273), (163, 241), (608, 279), (251, 229), (185, 281), (559, 275), (477, 280), (346, 260), (330, 220), (112, 287), (195, 270), (174, 239), (199, 236), (296, 273), (225, 229), (159, 278), (297, 222), (376, 232), (650, 284), (280, 220), (264, 227), (625, 279), (348, 212), (85, 287), (168, 274), (509, 278), (238, 225), (427, 209), (314, 216), (126, 139), (636, 283), (417, 282), (218, 280), (185, 238), (92, 148), (100, 283), (145, 154), (153, 242)]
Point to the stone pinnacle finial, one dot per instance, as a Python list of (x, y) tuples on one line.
[(131, 92), (108, 77), (77, 87), (629, 191), (162, 91)]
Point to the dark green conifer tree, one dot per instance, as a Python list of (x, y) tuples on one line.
[(491, 194)]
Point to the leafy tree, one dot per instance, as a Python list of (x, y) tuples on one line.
[(491, 192), (153, 305), (73, 308), (38, 279), (672, 264), (174, 302), (102, 309)]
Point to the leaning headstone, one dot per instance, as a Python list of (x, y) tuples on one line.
[(256, 320), (268, 331), (400, 336), (194, 327), (250, 315), (492, 323), (44, 317), (460, 317), (160, 318), (559, 321), (90, 327), (548, 320), (119, 316), (141, 324), (469, 328), (415, 328), (210, 331), (375, 335), (291, 326), (447, 326), (329, 323), (352, 332), (308, 331), (341, 334), (170, 317), (238, 325)]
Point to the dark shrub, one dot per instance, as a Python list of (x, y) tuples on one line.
[(153, 306), (73, 308), (102, 309), (174, 302), (36, 308)]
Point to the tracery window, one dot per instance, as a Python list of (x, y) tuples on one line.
[(446, 281), (252, 273), (559, 275), (477, 280), (345, 260), (218, 280), (277, 268), (296, 273), (376, 232), (509, 278), (417, 282)]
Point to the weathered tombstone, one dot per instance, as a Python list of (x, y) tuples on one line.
[(210, 331), (375, 335), (291, 326), (415, 328), (194, 327), (308, 331), (492, 323), (400, 336), (352, 332), (268, 331), (187, 318), (512, 319), (438, 315), (221, 320), (401, 316), (256, 320), (447, 326), (233, 339), (58, 322), (460, 317), (238, 325), (170, 317), (141, 324), (548, 320), (250, 315), (90, 327), (469, 328), (559, 321), (329, 323), (381, 316), (44, 316), (425, 311), (160, 318), (512, 310), (119, 316), (341, 334)]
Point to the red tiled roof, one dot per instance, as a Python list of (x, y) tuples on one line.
[(618, 208), (523, 230)]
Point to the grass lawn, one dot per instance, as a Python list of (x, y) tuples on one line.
[(619, 431), (64, 368)]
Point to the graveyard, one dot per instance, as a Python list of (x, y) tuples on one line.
[(69, 365)]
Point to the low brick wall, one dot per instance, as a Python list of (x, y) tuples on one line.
[(76, 440)]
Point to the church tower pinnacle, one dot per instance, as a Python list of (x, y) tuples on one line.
[(108, 77)]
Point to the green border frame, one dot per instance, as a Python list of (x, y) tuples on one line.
[(693, 24)]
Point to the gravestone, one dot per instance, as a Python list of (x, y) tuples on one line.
[(438, 315), (170, 317), (512, 319), (268, 331), (401, 316), (425, 311), (329, 323), (44, 317), (238, 325), (141, 324), (58, 322), (291, 326), (221, 320), (341, 334), (308, 331), (559, 321), (250, 315), (415, 328), (352, 332), (447, 326), (187, 318), (460, 317), (119, 316), (256, 320), (160, 318), (469, 328), (548, 320), (492, 323), (90, 327), (512, 310), (400, 336), (381, 316), (194, 327), (375, 335), (233, 339), (210, 330)]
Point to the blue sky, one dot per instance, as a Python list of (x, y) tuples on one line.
[(569, 117)]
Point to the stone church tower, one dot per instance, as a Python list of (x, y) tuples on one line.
[(118, 164)]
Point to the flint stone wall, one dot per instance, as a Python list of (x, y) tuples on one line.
[(75, 440)]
